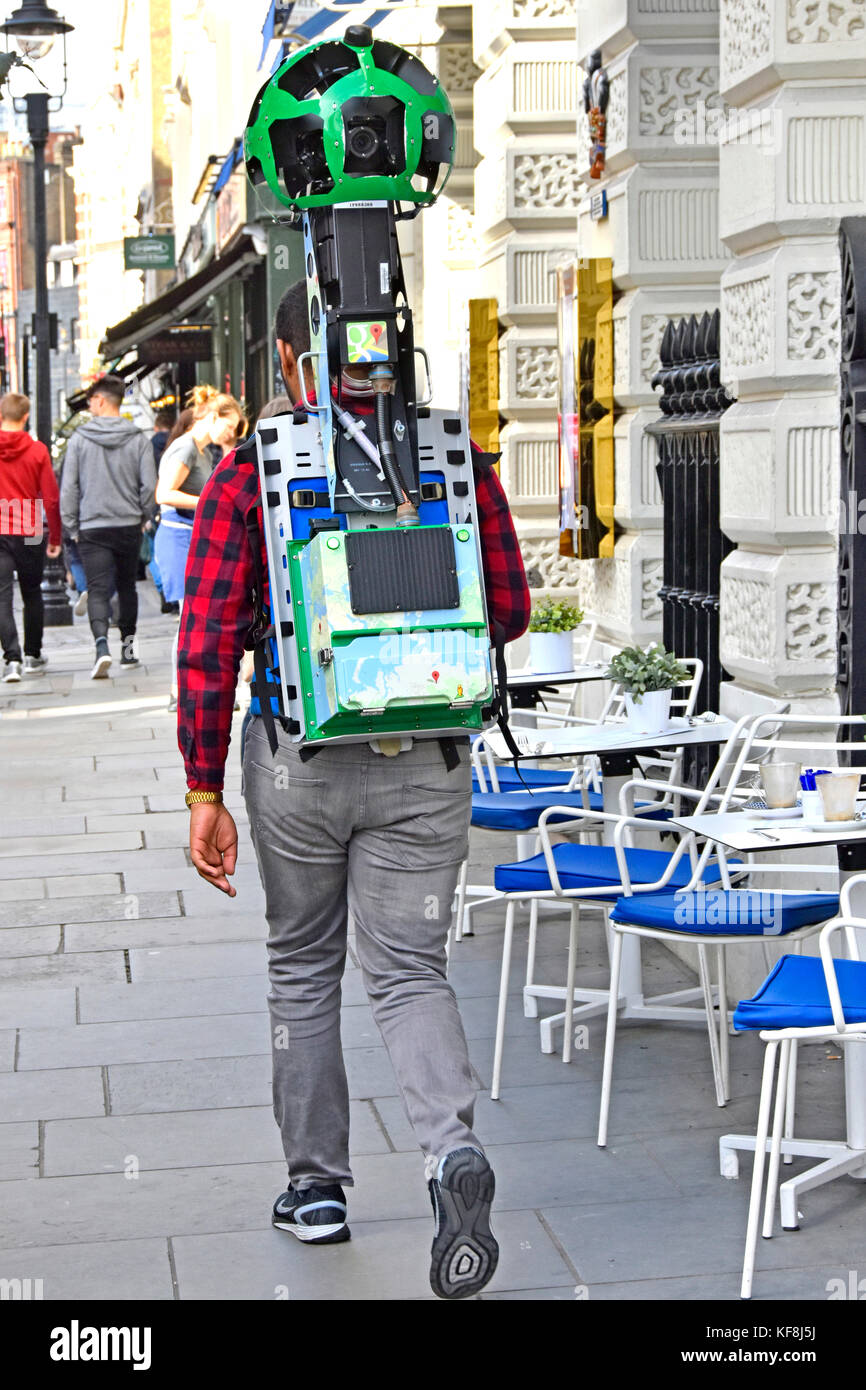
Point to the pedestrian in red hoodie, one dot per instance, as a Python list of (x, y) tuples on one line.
[(28, 492)]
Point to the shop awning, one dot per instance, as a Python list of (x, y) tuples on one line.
[(128, 371), (331, 20), (178, 301)]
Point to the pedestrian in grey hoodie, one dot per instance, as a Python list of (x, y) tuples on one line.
[(106, 495)]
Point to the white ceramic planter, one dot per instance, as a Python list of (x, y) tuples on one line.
[(652, 715), (551, 651)]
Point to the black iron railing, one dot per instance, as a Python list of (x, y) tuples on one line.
[(693, 401), (851, 667)]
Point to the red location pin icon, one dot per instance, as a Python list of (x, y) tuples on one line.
[(376, 330), (435, 675)]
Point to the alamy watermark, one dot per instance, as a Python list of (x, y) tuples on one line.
[(747, 907), (728, 125), (22, 516)]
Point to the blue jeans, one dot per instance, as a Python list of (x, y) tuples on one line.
[(74, 565)]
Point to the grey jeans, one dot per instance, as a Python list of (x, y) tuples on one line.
[(382, 837)]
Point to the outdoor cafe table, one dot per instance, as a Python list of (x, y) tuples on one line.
[(526, 689), (738, 830), (617, 748)]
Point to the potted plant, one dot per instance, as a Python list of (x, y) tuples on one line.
[(551, 635), (647, 679)]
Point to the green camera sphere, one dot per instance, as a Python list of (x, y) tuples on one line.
[(351, 120)]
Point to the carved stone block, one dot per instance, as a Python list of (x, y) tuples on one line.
[(638, 499), (662, 227), (778, 619), (794, 163), (530, 467), (617, 24), (531, 87), (529, 373), (496, 23), (528, 184), (639, 320), (779, 471), (523, 275), (764, 42), (780, 319)]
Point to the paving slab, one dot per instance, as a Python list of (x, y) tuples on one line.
[(72, 885), (617, 1241), (149, 1040), (54, 824), (196, 962), (29, 941), (172, 999), (50, 1095), (130, 1270), (39, 1006), (17, 847), (386, 1260), (84, 908), (165, 1202), (160, 932), (151, 862), (809, 1285), (19, 1150), (104, 967), (140, 1088), (182, 1139)]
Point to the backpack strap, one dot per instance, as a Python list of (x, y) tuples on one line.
[(260, 631)]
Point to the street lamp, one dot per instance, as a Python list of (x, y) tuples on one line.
[(35, 27)]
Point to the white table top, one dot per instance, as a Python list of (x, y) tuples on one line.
[(738, 830), (588, 671), (579, 740)]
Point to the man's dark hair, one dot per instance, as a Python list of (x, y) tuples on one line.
[(292, 322), (164, 419), (114, 387)]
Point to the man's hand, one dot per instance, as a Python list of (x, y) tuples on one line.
[(52, 551), (213, 844)]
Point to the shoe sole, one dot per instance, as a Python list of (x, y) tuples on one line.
[(11, 680), (465, 1252), (100, 670), (315, 1235), (80, 607)]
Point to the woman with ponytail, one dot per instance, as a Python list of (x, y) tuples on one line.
[(211, 418)]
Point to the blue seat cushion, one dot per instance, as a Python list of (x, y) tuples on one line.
[(533, 777), (587, 866), (727, 911), (521, 810), (794, 995)]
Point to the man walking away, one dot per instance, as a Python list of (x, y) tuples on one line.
[(27, 490), (106, 495)]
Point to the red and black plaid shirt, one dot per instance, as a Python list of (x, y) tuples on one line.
[(218, 605)]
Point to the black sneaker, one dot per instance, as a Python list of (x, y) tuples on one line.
[(317, 1216), (464, 1254), (101, 665)]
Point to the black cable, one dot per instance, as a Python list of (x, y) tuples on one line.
[(387, 452)]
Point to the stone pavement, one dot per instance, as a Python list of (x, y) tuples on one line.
[(138, 1154)]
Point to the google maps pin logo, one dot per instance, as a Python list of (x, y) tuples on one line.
[(435, 675), (376, 330)]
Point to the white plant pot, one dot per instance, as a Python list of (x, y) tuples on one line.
[(551, 651), (652, 715)]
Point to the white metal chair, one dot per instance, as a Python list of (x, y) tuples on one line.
[(803, 999), (730, 919)]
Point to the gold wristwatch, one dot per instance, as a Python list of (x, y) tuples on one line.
[(197, 798)]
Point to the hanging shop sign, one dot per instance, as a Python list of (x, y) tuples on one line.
[(231, 208), (182, 342), (148, 252)]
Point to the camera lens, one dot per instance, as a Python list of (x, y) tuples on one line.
[(363, 142)]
